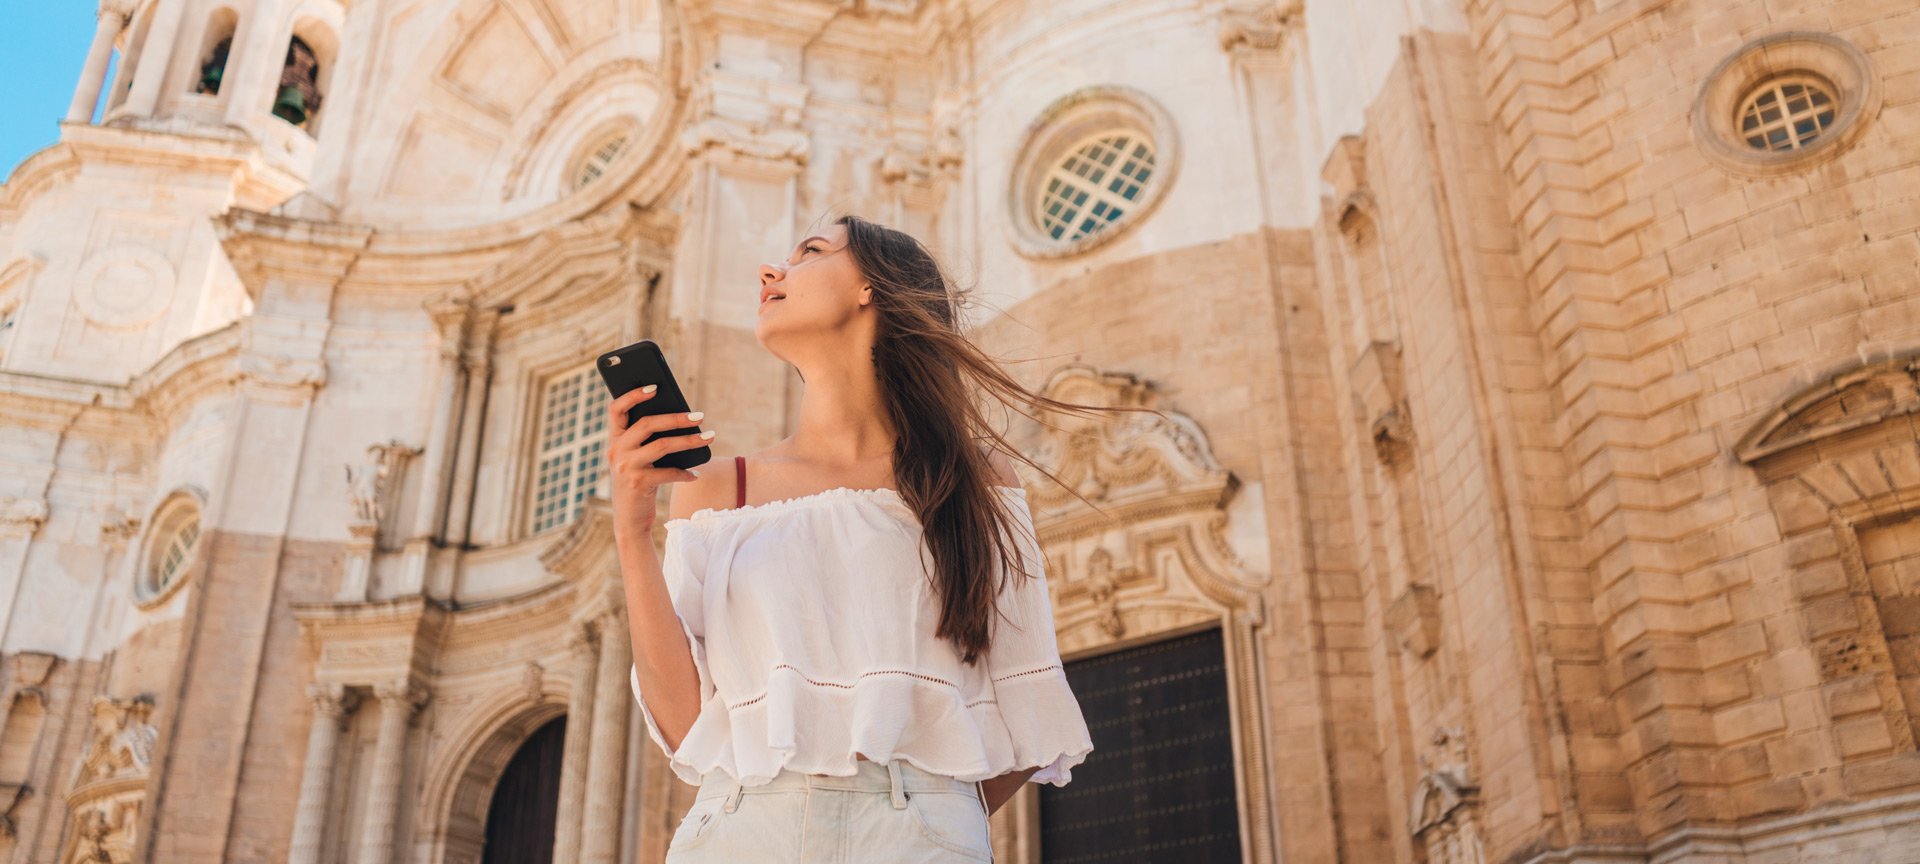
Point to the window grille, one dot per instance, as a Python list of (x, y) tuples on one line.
[(570, 450), (1096, 184), (1159, 784), (597, 161), (1786, 113), (176, 554)]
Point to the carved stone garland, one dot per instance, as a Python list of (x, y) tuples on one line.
[(110, 784), (1157, 560)]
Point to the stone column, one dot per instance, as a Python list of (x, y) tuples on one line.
[(155, 58), (573, 764), (331, 703), (253, 68), (86, 94), (600, 843), (398, 701)]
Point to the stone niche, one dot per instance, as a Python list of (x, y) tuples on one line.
[(1136, 550)]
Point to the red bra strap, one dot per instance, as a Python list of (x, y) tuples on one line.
[(740, 481)]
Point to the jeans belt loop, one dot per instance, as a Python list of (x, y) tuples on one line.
[(893, 775), (733, 798)]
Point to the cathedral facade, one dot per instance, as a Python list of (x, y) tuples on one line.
[(1537, 478)]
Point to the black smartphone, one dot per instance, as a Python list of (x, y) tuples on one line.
[(636, 366)]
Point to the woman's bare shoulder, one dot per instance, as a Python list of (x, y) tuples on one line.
[(712, 489), (1003, 474)]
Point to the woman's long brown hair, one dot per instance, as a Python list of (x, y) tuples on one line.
[(925, 365)]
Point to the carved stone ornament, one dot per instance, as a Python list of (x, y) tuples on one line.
[(118, 524), (949, 151), (1259, 28), (1443, 812), (902, 166), (753, 141), (282, 373), (371, 483), (1414, 617), (1392, 435), (124, 288), (1853, 399), (533, 680), (1147, 551), (108, 792), (21, 516)]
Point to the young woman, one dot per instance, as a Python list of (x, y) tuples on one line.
[(816, 647)]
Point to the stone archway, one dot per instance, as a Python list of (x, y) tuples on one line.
[(522, 819), (455, 810)]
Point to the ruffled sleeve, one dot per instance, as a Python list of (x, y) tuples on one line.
[(685, 585), (1030, 685)]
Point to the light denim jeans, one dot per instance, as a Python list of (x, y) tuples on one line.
[(889, 812)]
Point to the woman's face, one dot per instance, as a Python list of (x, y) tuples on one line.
[(816, 296)]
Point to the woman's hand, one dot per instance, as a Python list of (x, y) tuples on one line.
[(630, 463)]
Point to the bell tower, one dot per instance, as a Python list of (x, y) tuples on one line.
[(214, 104), (263, 67)]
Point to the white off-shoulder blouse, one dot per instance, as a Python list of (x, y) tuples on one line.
[(811, 623)]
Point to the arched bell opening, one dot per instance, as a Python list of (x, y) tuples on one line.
[(305, 76), (215, 47)]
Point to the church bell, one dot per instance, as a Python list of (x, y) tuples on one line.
[(291, 106)]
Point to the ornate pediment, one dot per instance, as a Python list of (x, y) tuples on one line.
[(1135, 547), (1136, 541), (1859, 397)]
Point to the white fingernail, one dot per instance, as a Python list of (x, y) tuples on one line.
[(707, 434), (696, 415), (649, 388), (693, 472)]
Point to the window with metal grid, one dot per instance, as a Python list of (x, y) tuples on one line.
[(1096, 184), (568, 461), (1159, 784), (1786, 113), (597, 161)]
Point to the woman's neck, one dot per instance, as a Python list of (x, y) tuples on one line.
[(843, 419)]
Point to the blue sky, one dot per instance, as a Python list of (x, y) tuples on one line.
[(42, 48)]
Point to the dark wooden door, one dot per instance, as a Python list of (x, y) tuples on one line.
[(520, 821), (1158, 786)]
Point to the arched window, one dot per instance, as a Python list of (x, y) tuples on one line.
[(171, 550), (599, 158)]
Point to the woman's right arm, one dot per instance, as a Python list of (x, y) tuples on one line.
[(662, 659)]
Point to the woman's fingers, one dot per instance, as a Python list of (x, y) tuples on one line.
[(625, 402), (651, 453), (646, 426)]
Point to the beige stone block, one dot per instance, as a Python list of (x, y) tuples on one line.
[(1857, 695), (1764, 799), (1819, 580), (1750, 720), (1732, 644), (1862, 736), (1724, 687), (1830, 616), (1742, 764), (1883, 774)]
